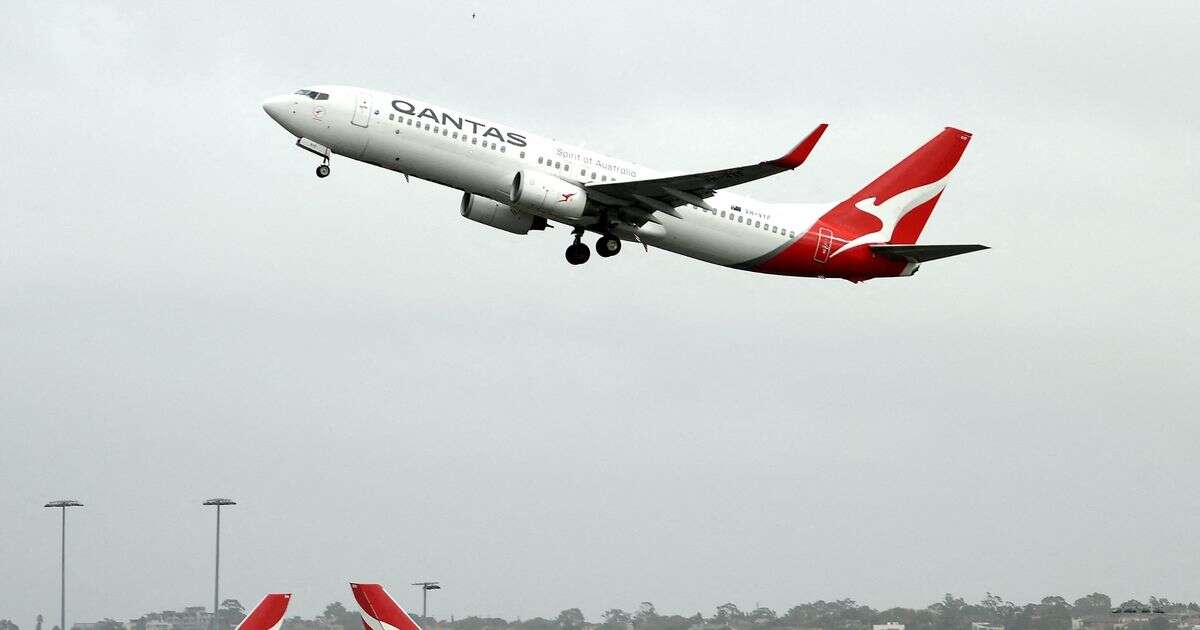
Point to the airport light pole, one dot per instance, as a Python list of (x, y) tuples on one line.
[(425, 588), (63, 504), (217, 572)]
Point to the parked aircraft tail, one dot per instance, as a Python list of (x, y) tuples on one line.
[(268, 614), (379, 607)]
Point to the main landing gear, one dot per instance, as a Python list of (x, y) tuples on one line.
[(608, 245), (578, 253), (323, 171)]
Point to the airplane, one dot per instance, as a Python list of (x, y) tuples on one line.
[(268, 614), (383, 611), (519, 182)]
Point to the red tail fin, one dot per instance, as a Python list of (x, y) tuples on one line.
[(268, 614), (378, 605), (895, 207)]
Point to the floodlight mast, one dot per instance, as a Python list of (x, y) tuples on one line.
[(217, 571), (63, 504), (425, 588)]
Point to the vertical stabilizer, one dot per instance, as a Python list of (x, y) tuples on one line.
[(895, 207), (377, 605), (268, 614)]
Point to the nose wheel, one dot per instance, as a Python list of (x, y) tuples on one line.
[(323, 171)]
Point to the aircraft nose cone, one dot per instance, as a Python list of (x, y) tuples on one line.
[(278, 107)]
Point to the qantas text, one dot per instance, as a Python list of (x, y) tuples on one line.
[(404, 107)]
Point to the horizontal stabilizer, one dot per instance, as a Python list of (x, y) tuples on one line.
[(923, 253)]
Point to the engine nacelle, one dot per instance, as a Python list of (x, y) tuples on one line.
[(547, 194), (498, 215)]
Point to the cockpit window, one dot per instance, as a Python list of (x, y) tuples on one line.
[(316, 96)]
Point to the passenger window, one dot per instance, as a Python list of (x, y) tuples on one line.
[(435, 130), (775, 229), (522, 155), (722, 214), (445, 132), (456, 135), (391, 117), (558, 165), (426, 126), (567, 168), (504, 148), (474, 140), (408, 122), (739, 219), (604, 178), (791, 235), (539, 159), (758, 224)]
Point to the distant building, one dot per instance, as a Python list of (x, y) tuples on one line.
[(891, 625), (192, 618), (320, 623)]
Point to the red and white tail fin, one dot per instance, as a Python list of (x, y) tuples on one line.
[(268, 614), (895, 207), (379, 607)]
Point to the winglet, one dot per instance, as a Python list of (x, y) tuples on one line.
[(796, 156), (378, 605), (268, 614)]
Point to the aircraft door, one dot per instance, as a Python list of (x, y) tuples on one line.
[(362, 111), (824, 244)]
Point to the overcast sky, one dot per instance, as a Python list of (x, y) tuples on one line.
[(394, 393)]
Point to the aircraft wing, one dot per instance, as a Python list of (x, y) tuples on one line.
[(666, 193)]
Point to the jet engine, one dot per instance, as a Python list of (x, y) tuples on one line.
[(547, 194), (498, 215)]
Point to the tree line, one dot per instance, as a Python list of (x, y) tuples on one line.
[(951, 613)]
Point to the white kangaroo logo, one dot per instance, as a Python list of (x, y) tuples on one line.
[(891, 211)]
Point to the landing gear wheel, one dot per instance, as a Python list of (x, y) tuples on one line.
[(608, 245), (323, 170), (578, 253)]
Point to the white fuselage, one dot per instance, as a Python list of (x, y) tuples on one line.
[(478, 156)]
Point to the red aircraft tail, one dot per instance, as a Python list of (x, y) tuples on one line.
[(895, 207), (380, 607), (268, 614)]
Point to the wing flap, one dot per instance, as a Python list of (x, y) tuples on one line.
[(923, 253)]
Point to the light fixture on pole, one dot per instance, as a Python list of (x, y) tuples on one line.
[(217, 572), (425, 588), (63, 504)]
